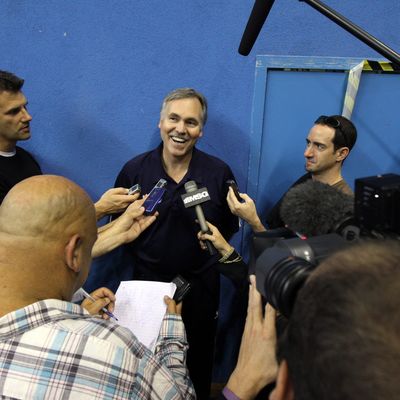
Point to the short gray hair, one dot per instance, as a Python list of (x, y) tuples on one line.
[(186, 93)]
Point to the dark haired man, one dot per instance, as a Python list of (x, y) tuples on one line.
[(170, 246), (16, 163), (328, 144), (343, 336)]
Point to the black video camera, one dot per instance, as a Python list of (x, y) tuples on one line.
[(282, 264), (282, 269)]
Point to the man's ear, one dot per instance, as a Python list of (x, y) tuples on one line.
[(342, 153), (73, 253), (283, 389)]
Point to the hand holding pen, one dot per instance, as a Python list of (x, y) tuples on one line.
[(101, 299)]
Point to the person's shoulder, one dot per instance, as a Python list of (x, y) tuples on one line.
[(210, 161), (344, 187), (25, 156), (22, 152), (140, 159), (302, 179), (99, 330)]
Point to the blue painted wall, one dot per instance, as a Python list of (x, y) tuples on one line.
[(96, 70)]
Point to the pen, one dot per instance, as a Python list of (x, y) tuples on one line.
[(88, 296)]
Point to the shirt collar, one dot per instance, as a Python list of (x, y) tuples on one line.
[(194, 170), (8, 153)]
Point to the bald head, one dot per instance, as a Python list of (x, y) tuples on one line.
[(46, 206), (47, 231)]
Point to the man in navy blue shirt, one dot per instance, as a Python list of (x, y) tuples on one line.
[(170, 246)]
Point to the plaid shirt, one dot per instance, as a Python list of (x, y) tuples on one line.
[(55, 350)]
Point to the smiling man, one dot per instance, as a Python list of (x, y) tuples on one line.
[(16, 163), (170, 246), (328, 143)]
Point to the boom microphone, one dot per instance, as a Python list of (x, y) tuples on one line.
[(193, 198), (314, 208), (257, 18)]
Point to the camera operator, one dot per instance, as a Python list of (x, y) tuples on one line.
[(343, 336)]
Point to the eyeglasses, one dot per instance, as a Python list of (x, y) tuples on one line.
[(335, 124), (330, 121)]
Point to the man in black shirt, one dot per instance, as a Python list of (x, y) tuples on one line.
[(16, 164), (328, 144), (170, 246)]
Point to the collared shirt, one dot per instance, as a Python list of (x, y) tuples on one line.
[(170, 245), (55, 350)]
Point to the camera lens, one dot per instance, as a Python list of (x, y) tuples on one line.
[(283, 280), (282, 269)]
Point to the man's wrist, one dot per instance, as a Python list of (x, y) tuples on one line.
[(241, 387), (99, 209), (226, 253), (229, 395), (257, 225)]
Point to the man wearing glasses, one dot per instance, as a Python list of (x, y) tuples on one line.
[(328, 144)]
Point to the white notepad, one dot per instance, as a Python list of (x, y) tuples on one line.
[(140, 307)]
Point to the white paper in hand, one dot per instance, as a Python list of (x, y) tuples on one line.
[(140, 307)]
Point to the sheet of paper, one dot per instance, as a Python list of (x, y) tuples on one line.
[(140, 307)]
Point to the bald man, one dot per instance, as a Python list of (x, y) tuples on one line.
[(51, 348)]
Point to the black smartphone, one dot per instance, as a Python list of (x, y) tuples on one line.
[(182, 288), (154, 197), (235, 189), (134, 189)]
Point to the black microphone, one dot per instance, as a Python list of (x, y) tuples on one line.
[(193, 198), (257, 18), (313, 208)]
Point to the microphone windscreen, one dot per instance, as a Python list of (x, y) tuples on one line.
[(190, 186), (257, 18), (314, 208)]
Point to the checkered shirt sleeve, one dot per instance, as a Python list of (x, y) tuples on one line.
[(55, 350)]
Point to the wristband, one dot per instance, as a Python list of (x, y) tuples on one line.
[(229, 395)]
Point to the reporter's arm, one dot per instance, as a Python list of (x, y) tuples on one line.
[(230, 263), (124, 229), (113, 201), (257, 365), (246, 210), (171, 348), (216, 238)]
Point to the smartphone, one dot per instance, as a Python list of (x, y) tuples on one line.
[(134, 189), (182, 288), (154, 197), (235, 189)]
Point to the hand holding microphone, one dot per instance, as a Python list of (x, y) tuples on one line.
[(193, 198), (216, 238)]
